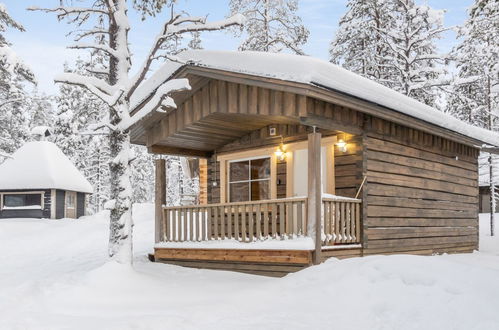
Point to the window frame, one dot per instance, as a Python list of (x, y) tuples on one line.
[(249, 180), (41, 193)]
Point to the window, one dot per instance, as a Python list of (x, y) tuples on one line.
[(249, 180), (14, 201), (70, 200)]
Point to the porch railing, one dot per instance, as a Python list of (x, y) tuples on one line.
[(245, 222), (259, 220), (341, 221)]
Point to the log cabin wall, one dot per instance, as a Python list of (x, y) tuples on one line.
[(421, 194)]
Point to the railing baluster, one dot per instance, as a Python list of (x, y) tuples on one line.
[(236, 223), (222, 221), (299, 215), (337, 223), (258, 224), (166, 225), (209, 223), (243, 223), (251, 221), (266, 220), (357, 223), (274, 220), (228, 214), (289, 219)]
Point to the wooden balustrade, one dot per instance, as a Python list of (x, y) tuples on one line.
[(341, 221), (245, 222), (258, 220)]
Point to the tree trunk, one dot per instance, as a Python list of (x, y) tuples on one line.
[(121, 224), (492, 196)]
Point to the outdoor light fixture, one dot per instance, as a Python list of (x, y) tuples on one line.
[(342, 145), (280, 153)]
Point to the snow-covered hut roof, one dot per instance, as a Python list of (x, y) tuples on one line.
[(41, 165), (314, 72)]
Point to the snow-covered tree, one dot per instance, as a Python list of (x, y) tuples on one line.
[(357, 45), (14, 73), (394, 43), (475, 89), (119, 86), (271, 26)]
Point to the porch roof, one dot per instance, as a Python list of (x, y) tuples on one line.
[(317, 76)]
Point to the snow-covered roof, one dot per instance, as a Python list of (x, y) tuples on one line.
[(315, 72), (41, 165)]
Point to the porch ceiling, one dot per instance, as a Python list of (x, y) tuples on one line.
[(217, 130), (216, 114)]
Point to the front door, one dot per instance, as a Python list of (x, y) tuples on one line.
[(70, 204)]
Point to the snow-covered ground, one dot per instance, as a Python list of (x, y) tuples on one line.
[(53, 275)]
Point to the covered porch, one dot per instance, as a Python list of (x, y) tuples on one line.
[(280, 176)]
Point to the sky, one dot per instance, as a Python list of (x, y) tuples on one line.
[(43, 45)]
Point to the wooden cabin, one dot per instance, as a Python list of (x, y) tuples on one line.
[(301, 161), (39, 181)]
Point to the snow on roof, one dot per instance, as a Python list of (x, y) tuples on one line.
[(41, 165), (316, 72)]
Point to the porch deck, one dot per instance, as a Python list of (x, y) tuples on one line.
[(267, 237)]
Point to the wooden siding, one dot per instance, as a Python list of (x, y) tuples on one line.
[(421, 193), (276, 263), (60, 205), (45, 213), (348, 166), (80, 204)]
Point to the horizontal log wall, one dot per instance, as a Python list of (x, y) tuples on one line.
[(348, 166), (421, 192)]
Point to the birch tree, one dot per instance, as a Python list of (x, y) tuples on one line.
[(119, 86), (271, 26)]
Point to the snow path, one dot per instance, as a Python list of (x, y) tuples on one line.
[(53, 276)]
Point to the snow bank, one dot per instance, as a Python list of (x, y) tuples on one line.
[(54, 276), (308, 70), (41, 165)]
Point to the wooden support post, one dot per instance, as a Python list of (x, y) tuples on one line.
[(159, 198), (314, 193)]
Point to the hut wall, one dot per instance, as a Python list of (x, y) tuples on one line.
[(80, 204), (421, 194), (45, 213), (60, 196)]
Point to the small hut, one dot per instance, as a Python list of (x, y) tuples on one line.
[(301, 160), (39, 181)]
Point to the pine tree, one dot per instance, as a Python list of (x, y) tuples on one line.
[(475, 92), (357, 46), (271, 25), (397, 50), (14, 113)]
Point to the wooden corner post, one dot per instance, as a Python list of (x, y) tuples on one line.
[(314, 193), (159, 198)]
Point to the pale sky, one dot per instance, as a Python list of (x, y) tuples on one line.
[(43, 45)]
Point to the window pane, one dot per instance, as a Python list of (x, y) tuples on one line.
[(260, 190), (33, 199), (13, 200), (239, 171), (260, 168), (239, 192)]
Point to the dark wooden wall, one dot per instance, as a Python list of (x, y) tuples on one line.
[(80, 204), (60, 206), (45, 213), (421, 193)]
